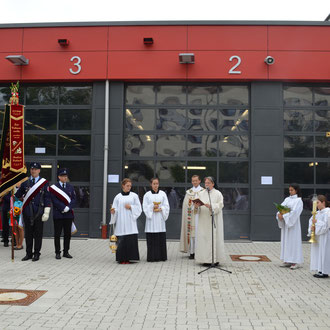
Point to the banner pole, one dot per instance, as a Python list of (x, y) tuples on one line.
[(13, 224)]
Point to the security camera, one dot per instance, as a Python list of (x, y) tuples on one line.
[(269, 60)]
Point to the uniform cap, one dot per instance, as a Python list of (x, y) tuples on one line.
[(35, 165), (62, 171)]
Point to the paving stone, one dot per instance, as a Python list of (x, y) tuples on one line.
[(91, 291)]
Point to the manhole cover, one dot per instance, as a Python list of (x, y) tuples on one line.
[(249, 258), (242, 257), (19, 297), (12, 296)]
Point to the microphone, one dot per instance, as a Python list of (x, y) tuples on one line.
[(208, 189)]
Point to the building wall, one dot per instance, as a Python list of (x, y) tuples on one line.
[(266, 158), (224, 54), (60, 132), (287, 140), (118, 52)]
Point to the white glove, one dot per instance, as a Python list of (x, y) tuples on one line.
[(45, 216), (66, 209)]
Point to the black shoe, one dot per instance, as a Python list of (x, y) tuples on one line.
[(206, 265), (317, 274), (27, 257), (2, 240), (58, 256), (67, 255), (35, 257), (192, 256), (321, 275), (5, 244)]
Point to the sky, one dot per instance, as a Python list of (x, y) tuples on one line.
[(32, 11)]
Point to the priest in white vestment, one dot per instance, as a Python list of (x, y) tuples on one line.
[(156, 208), (320, 251), (289, 223), (203, 252), (189, 219), (125, 210)]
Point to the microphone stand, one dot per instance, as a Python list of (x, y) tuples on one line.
[(213, 264)]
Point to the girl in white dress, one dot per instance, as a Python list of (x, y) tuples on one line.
[(320, 251), (289, 223), (126, 209), (156, 209)]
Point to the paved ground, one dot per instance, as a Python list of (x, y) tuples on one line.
[(91, 291)]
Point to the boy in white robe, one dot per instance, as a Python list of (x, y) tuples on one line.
[(320, 251)]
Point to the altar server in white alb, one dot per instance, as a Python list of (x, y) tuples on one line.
[(125, 210), (289, 223), (156, 208), (189, 219), (203, 252), (320, 251)]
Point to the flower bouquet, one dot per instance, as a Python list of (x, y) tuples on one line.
[(282, 209)]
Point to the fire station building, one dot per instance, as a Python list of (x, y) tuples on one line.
[(245, 102)]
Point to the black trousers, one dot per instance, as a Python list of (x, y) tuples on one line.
[(33, 232), (5, 226), (64, 224)]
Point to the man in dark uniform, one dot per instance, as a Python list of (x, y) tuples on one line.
[(5, 218), (36, 209), (63, 198)]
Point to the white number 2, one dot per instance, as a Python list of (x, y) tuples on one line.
[(77, 64), (232, 70)]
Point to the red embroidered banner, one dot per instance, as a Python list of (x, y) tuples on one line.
[(10, 177), (16, 125)]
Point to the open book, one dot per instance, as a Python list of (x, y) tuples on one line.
[(197, 201)]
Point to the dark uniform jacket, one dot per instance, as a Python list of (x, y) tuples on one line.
[(38, 203), (6, 203), (59, 205)]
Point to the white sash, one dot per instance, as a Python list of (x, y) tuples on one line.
[(62, 195), (33, 191)]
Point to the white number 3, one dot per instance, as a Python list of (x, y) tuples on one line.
[(77, 64)]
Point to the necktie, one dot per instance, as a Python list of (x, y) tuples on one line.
[(33, 181), (63, 185)]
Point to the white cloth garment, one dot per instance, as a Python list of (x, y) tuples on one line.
[(155, 221), (203, 253), (191, 194), (291, 242), (320, 251), (125, 219)]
